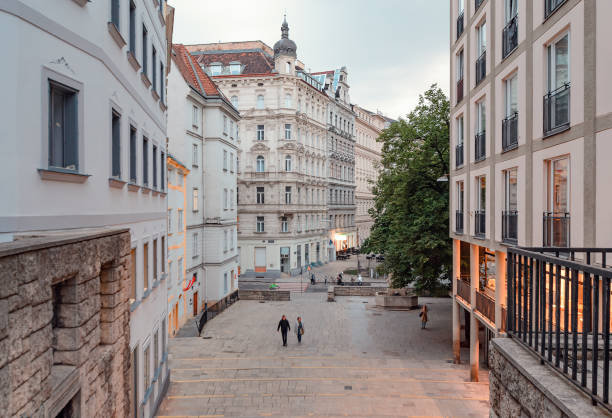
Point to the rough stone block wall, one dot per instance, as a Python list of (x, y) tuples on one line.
[(271, 295), (512, 393), (91, 327), (358, 290)]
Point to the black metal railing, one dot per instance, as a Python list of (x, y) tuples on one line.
[(215, 309), (480, 223), (480, 148), (481, 67), (460, 25), (556, 229), (510, 132), (459, 155), (559, 309), (551, 6), (510, 226), (477, 4), (486, 306), (557, 110), (510, 37), (459, 221), (459, 90), (463, 290)]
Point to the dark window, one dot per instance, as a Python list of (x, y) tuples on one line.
[(144, 49), (145, 161), (162, 78), (154, 59), (132, 27), (132, 154), (115, 13), (63, 127), (551, 6), (162, 166), (154, 166), (260, 195), (116, 144)]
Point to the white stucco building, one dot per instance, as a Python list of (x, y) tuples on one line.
[(84, 145), (282, 171), (203, 134)]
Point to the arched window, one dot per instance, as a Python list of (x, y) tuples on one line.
[(288, 103), (260, 164), (260, 101), (234, 100), (288, 163)]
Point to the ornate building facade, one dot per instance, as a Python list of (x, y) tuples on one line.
[(368, 126), (282, 162)]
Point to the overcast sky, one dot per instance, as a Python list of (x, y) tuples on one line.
[(393, 49)]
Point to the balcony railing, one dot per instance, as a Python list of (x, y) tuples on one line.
[(557, 110), (551, 6), (510, 132), (510, 37), (459, 155), (477, 4), (481, 67), (459, 222), (460, 25), (480, 148), (510, 226), (559, 309), (459, 90), (556, 229), (480, 223), (463, 290), (486, 306)]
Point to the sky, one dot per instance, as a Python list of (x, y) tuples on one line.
[(394, 50)]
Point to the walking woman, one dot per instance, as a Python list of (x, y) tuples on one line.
[(423, 315)]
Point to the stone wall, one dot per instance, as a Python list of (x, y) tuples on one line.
[(278, 295), (358, 290), (64, 325), (519, 386)]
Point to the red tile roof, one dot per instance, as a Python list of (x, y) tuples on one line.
[(192, 73)]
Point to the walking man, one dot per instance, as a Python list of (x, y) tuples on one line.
[(283, 326), (423, 315), (299, 329)]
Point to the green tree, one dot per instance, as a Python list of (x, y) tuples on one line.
[(411, 203)]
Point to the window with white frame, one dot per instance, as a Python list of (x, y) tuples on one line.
[(288, 102), (460, 130), (194, 155), (216, 69), (481, 117), (231, 160), (180, 220), (234, 101), (260, 132), (287, 195), (287, 131), (194, 239), (511, 95), (195, 199), (225, 199), (260, 224), (195, 117), (234, 68), (231, 130), (481, 39), (260, 195), (224, 160), (224, 125), (63, 123), (260, 101), (284, 224), (287, 163), (260, 164)]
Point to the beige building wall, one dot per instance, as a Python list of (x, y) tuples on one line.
[(573, 201), (368, 127)]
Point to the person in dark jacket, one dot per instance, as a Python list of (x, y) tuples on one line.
[(283, 326)]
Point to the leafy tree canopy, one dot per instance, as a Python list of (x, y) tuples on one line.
[(411, 204)]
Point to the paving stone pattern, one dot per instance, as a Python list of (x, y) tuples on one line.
[(355, 360)]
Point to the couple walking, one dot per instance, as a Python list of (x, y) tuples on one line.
[(283, 327)]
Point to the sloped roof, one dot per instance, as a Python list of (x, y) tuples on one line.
[(252, 61), (192, 73)]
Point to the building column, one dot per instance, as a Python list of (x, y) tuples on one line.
[(500, 287), (474, 340), (456, 308)]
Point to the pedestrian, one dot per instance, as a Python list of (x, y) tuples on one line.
[(312, 278), (299, 329), (423, 315), (360, 279), (283, 326)]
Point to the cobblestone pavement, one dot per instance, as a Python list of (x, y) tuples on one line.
[(354, 360)]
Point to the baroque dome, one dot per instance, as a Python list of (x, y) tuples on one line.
[(285, 46)]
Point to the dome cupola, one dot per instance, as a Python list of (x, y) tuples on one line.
[(285, 46)]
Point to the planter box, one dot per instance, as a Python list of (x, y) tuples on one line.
[(405, 302)]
